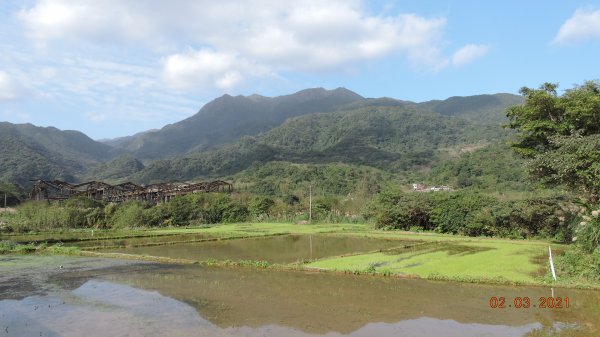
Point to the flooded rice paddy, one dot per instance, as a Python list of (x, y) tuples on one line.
[(109, 297), (141, 241), (274, 249), (77, 296)]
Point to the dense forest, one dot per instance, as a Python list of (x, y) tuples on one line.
[(394, 139)]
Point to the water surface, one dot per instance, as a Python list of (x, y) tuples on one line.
[(134, 299), (275, 249)]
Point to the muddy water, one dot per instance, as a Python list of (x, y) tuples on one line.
[(100, 299), (275, 249)]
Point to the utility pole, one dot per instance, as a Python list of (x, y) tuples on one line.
[(310, 203)]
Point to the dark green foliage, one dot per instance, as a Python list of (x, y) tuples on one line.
[(393, 209), (31, 152), (327, 127), (281, 178), (82, 202), (452, 212), (575, 163), (14, 194), (473, 214), (561, 135), (129, 215), (228, 118), (205, 208), (324, 206), (494, 167), (545, 115), (261, 205), (116, 170), (394, 139), (85, 213), (589, 235)]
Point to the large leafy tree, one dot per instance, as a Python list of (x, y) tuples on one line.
[(561, 135)]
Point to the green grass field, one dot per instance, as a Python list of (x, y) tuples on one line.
[(468, 260)]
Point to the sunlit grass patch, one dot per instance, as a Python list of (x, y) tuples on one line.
[(452, 260)]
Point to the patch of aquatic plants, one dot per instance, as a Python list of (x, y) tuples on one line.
[(11, 247)]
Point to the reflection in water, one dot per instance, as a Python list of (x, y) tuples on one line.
[(276, 249), (162, 300), (100, 308), (321, 303)]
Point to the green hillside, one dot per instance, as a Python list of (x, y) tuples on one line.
[(394, 139), (492, 167), (116, 170), (31, 152), (285, 178), (231, 134), (486, 109), (226, 119)]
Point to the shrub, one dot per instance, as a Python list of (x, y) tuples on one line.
[(394, 209), (128, 214), (452, 212), (261, 206), (589, 236), (474, 214)]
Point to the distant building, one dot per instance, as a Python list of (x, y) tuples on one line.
[(417, 187)]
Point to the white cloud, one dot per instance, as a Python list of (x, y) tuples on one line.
[(468, 54), (96, 117), (201, 68), (235, 41), (9, 89), (583, 25)]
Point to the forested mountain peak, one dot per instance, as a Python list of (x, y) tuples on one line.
[(33, 152), (227, 118)]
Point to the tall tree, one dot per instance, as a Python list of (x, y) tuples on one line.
[(561, 135)]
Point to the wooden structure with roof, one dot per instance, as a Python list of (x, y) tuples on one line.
[(98, 190)]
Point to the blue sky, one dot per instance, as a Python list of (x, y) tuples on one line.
[(113, 68)]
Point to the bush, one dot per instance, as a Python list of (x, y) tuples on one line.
[(129, 214), (158, 216), (261, 206), (589, 235), (453, 212), (291, 199), (397, 210), (473, 214), (82, 202), (235, 212), (578, 264)]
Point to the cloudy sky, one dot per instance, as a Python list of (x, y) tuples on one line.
[(111, 68)]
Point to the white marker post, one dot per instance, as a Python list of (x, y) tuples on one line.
[(310, 203), (551, 263)]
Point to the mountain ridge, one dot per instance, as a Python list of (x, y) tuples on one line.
[(227, 118), (395, 139), (32, 152), (28, 151)]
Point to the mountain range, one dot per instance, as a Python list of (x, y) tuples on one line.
[(231, 133)]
